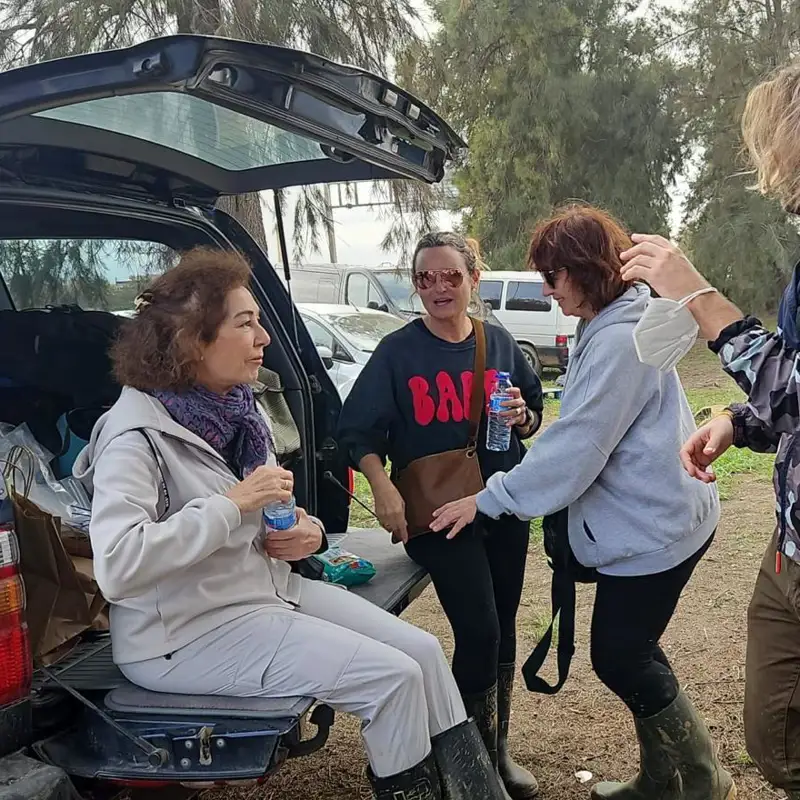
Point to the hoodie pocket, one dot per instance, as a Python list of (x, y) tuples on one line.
[(159, 611), (588, 531)]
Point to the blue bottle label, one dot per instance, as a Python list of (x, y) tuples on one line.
[(496, 403), (280, 523)]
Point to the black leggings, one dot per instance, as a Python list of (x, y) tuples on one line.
[(478, 577), (630, 616)]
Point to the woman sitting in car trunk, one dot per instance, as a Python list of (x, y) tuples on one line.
[(202, 600)]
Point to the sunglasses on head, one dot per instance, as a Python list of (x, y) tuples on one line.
[(549, 275), (426, 278)]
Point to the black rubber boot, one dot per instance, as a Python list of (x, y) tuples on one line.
[(465, 770), (658, 777), (421, 782), (519, 782), (483, 709)]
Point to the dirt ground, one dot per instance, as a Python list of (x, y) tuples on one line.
[(584, 727)]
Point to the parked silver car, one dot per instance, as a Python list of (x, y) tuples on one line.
[(345, 337)]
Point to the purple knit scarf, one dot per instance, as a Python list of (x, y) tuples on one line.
[(230, 423)]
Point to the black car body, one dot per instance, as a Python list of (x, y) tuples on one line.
[(138, 145)]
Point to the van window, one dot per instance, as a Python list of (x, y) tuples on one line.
[(527, 296), (95, 274), (357, 290), (491, 292), (401, 291)]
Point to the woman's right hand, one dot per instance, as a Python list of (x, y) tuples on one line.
[(264, 485), (390, 509), (705, 446)]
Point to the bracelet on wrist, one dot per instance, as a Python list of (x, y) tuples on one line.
[(726, 412)]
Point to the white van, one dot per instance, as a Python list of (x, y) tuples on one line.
[(543, 332)]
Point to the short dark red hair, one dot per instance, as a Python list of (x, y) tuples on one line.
[(587, 242)]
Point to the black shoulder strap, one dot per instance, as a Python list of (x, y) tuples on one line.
[(562, 591), (162, 478)]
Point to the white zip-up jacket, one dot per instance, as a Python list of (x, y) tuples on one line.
[(170, 580)]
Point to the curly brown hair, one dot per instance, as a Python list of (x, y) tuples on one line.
[(159, 348), (586, 241)]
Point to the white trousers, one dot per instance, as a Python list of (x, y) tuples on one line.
[(337, 648)]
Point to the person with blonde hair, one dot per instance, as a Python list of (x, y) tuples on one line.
[(766, 366), (419, 398)]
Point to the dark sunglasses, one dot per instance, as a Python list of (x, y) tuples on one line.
[(549, 276), (425, 278)]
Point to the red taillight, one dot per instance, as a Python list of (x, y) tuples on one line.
[(15, 653), (351, 481), (562, 341)]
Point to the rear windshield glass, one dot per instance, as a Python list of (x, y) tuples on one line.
[(95, 274), (214, 134)]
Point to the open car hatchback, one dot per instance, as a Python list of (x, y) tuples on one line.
[(116, 159)]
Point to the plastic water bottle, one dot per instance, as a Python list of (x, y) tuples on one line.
[(277, 516), (280, 516), (498, 433)]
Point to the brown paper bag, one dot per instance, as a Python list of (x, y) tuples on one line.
[(61, 603)]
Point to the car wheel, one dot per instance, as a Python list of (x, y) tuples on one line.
[(532, 357)]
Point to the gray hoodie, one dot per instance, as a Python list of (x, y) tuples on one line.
[(612, 457)]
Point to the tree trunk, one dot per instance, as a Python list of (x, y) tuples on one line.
[(206, 19), (246, 208)]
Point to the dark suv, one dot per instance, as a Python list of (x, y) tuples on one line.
[(128, 151)]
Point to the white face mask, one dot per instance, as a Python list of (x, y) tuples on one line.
[(666, 332)]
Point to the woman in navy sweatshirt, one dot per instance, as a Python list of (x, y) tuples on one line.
[(410, 401)]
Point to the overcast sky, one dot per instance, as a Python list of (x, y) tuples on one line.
[(359, 231)]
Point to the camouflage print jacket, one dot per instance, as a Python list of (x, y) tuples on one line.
[(769, 372)]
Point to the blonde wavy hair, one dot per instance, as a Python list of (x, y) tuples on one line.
[(771, 132)]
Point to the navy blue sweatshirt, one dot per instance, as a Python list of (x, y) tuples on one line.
[(412, 397)]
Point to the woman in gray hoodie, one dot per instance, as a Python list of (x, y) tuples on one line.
[(635, 516)]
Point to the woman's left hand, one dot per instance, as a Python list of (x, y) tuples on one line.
[(298, 542), (516, 413), (459, 514)]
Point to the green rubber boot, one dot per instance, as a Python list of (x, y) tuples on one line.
[(658, 778)]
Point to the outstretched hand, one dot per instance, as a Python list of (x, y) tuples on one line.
[(457, 514), (705, 446)]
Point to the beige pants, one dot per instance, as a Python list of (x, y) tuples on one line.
[(336, 648)]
